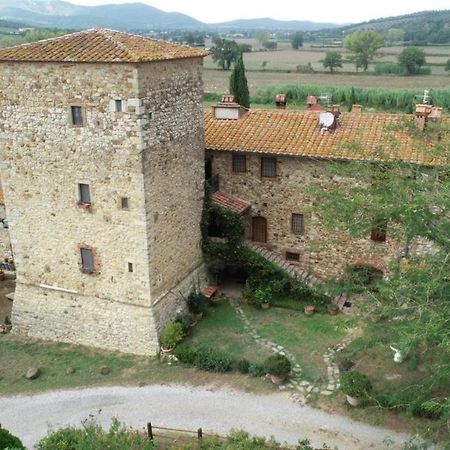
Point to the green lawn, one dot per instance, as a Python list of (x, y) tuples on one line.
[(18, 354), (223, 330), (306, 337)]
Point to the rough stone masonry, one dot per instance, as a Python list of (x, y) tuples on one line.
[(142, 128)]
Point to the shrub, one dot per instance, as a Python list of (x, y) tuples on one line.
[(185, 354), (172, 334), (197, 303), (277, 365), (186, 321), (9, 440), (243, 365), (256, 370), (262, 294), (212, 360), (355, 384), (91, 436), (433, 409)]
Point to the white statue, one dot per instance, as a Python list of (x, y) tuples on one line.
[(398, 357)]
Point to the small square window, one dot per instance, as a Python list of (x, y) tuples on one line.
[(84, 193), (87, 260), (118, 105), (77, 116), (130, 267), (297, 224), (291, 256), (150, 116), (239, 163), (268, 167), (124, 203)]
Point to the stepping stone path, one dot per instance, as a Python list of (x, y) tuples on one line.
[(303, 388)]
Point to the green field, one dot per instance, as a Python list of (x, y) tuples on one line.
[(281, 69)]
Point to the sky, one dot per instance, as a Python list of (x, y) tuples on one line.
[(334, 11)]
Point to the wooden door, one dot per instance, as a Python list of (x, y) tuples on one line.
[(259, 229)]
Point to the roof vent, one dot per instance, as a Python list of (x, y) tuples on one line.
[(357, 108), (228, 109), (280, 101)]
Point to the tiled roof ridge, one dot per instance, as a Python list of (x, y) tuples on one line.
[(110, 35)]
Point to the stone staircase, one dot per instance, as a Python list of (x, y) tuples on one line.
[(294, 270)]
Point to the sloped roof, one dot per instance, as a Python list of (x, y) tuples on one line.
[(229, 202), (99, 45), (360, 136)]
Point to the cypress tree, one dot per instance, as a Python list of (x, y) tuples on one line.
[(238, 83)]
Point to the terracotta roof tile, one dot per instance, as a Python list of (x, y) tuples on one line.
[(229, 202), (99, 45), (360, 136)]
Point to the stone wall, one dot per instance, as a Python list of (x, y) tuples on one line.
[(173, 160), (119, 154), (322, 252)]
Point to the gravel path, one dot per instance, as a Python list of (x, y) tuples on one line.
[(179, 406)]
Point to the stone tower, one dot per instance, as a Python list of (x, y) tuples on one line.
[(102, 157)]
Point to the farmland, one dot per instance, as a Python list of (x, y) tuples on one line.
[(280, 68)]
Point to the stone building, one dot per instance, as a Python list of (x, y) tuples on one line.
[(266, 161), (102, 158)]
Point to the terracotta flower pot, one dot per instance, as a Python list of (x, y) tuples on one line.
[(309, 310), (166, 351), (265, 305), (277, 379), (354, 401)]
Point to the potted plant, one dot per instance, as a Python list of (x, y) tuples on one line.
[(356, 386), (262, 296), (309, 310), (197, 304), (333, 309), (171, 336), (278, 367)]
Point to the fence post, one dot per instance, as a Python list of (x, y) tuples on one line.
[(149, 431), (199, 433)]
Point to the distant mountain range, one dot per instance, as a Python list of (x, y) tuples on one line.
[(129, 16)]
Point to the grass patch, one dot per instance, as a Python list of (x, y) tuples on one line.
[(306, 337), (18, 354), (222, 329)]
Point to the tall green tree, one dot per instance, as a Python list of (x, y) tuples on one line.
[(364, 46), (297, 40), (262, 36), (412, 59), (332, 61), (413, 203), (225, 52), (238, 83)]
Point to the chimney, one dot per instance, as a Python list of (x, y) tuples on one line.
[(422, 114), (435, 114), (228, 109), (311, 101), (280, 101), (357, 109), (335, 110)]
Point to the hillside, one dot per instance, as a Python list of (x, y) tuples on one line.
[(56, 13), (130, 16), (419, 28)]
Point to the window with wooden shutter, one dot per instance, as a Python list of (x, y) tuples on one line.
[(293, 256)]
